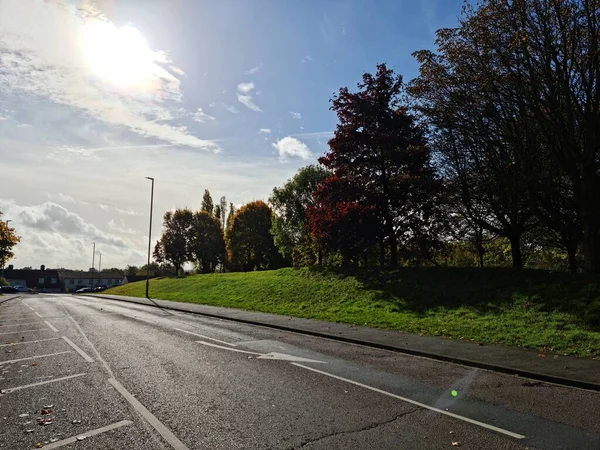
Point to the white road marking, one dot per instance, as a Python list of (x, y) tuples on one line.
[(87, 434), (12, 361), (210, 344), (38, 314), (52, 327), (284, 357), (413, 402), (205, 337), (77, 349), (152, 420), (54, 380), (31, 308), (29, 342), (139, 318), (25, 331)]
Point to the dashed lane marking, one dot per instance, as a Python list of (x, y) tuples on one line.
[(205, 337), (52, 327), (12, 361), (54, 380), (88, 434), (83, 354)]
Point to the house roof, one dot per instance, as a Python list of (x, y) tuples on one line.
[(80, 275), (31, 277)]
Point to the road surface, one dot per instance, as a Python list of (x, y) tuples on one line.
[(88, 373)]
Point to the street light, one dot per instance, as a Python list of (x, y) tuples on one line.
[(149, 237), (7, 222)]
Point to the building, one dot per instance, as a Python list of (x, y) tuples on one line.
[(41, 280), (71, 280)]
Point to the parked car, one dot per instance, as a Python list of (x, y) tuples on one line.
[(20, 288), (99, 288), (85, 289), (8, 290)]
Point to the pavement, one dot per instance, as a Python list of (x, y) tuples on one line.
[(553, 368), (89, 372)]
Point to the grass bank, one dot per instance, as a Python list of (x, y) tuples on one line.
[(549, 312)]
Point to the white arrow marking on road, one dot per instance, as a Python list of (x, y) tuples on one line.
[(273, 355)]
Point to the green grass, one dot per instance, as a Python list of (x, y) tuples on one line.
[(549, 312)]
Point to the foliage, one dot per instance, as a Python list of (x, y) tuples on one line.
[(206, 242), (250, 243), (174, 246), (545, 311), (380, 156), (207, 203), (8, 240), (290, 224), (230, 216)]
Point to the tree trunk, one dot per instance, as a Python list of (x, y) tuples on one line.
[(381, 253), (480, 253), (572, 254), (393, 244), (515, 247)]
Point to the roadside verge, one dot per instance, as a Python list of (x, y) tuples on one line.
[(558, 369)]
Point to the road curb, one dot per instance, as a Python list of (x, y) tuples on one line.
[(569, 382), (2, 301)]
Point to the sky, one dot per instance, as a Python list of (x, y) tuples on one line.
[(226, 95)]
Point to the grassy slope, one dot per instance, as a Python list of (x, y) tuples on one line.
[(552, 312)]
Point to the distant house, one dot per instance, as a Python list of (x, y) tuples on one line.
[(41, 280), (71, 280), (134, 278)]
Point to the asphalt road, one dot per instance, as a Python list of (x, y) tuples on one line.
[(89, 373)]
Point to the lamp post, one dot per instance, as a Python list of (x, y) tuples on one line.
[(7, 222), (93, 263), (149, 237)]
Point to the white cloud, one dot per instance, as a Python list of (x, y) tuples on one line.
[(127, 212), (253, 70), (232, 109), (264, 131), (63, 198), (80, 59), (121, 228), (246, 100), (315, 135), (245, 88), (177, 70), (24, 125), (295, 115), (201, 116), (244, 97), (307, 58), (292, 147)]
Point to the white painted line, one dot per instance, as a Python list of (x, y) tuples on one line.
[(152, 420), (205, 337), (25, 331), (77, 349), (29, 342), (210, 344), (52, 327), (31, 308), (38, 314), (413, 402), (88, 434), (139, 318), (12, 361), (54, 380)]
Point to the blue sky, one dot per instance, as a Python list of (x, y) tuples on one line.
[(228, 95)]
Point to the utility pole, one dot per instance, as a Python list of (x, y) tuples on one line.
[(149, 238), (3, 263), (100, 263), (93, 263)]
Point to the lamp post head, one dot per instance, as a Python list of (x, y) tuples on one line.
[(149, 178)]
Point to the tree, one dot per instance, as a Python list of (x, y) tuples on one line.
[(206, 242), (114, 270), (217, 213), (173, 245), (290, 223), (8, 240), (230, 216), (223, 211), (207, 202), (250, 243), (381, 152)]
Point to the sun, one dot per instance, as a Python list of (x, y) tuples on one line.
[(119, 55)]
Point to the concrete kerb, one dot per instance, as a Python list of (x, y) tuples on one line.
[(569, 382), (8, 298)]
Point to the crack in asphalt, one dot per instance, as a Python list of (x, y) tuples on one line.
[(368, 427)]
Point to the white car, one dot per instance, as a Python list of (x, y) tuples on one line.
[(20, 288)]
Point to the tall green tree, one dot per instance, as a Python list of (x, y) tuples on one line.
[(8, 240), (250, 242), (173, 245), (230, 216), (223, 211), (207, 203), (206, 242), (290, 223), (381, 152)]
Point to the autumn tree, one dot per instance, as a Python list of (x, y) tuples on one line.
[(207, 203), (250, 243), (8, 240), (380, 151), (173, 245), (223, 211), (230, 216), (290, 222), (206, 242), (217, 212)]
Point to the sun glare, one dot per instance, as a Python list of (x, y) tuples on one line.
[(119, 55)]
